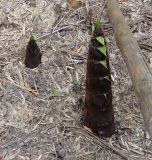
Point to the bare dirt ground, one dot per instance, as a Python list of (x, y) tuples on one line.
[(41, 109)]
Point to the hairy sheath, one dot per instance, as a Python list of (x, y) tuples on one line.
[(33, 54), (99, 115)]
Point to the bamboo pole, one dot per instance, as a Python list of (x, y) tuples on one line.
[(139, 71)]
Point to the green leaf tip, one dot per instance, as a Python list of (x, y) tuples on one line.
[(33, 38), (96, 25), (101, 40), (104, 63), (105, 95), (107, 78), (103, 50)]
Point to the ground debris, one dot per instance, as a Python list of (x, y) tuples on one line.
[(32, 121)]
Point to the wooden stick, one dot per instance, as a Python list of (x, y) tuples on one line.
[(100, 141), (138, 68)]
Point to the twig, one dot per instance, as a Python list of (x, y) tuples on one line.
[(70, 26), (146, 47), (105, 3), (98, 140)]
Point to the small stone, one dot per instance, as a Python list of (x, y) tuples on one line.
[(147, 135), (51, 119), (44, 59)]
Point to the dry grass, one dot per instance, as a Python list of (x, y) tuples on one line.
[(38, 106)]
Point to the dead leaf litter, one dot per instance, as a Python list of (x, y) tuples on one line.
[(41, 109)]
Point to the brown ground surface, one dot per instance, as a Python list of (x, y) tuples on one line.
[(38, 107)]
